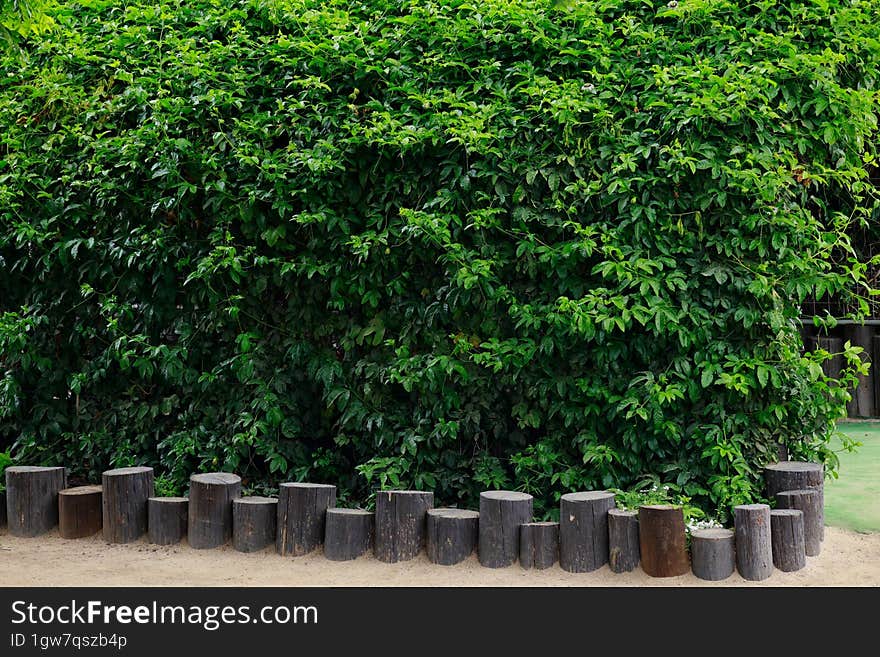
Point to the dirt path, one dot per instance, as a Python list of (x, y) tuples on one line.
[(848, 559)]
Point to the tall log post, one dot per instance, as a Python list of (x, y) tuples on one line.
[(501, 514), (583, 530), (754, 554), (807, 501), (80, 511), (168, 519), (623, 540), (302, 512), (210, 508), (662, 540), (787, 539), (797, 475), (401, 523), (253, 523), (538, 545), (713, 556), (32, 498), (126, 491), (348, 533), (451, 535)]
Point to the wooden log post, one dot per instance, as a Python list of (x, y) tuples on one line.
[(754, 554), (302, 512), (2, 509), (348, 533), (713, 555), (126, 491), (797, 475), (167, 519), (806, 501), (401, 524), (80, 511), (210, 508), (253, 523), (32, 498), (583, 530), (662, 540), (538, 545), (787, 539), (623, 540), (501, 514), (451, 535), (862, 402)]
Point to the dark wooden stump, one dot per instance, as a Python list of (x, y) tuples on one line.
[(623, 540), (253, 523), (451, 535), (302, 511), (348, 533), (806, 500), (583, 530), (787, 539), (210, 508), (501, 514), (32, 498), (713, 556), (797, 475), (80, 511), (401, 524), (168, 517), (662, 540), (126, 491), (538, 545), (754, 555), (2, 509)]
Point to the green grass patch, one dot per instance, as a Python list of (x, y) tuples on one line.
[(853, 500)]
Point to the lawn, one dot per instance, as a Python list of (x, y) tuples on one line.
[(853, 500)]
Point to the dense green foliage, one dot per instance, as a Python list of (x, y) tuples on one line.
[(445, 245)]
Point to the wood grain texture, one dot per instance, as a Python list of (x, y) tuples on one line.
[(754, 554), (80, 511), (662, 540), (167, 519), (713, 554), (401, 524), (787, 539), (210, 508), (32, 498), (253, 523), (501, 514), (623, 540), (797, 475), (809, 502), (302, 512), (538, 545), (583, 530), (451, 535), (348, 533)]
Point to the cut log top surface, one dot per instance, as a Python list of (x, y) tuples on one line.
[(31, 468), (786, 512), (751, 507), (349, 512), (660, 507), (170, 500), (623, 513), (712, 533), (303, 484), (809, 492), (405, 492), (587, 496), (540, 524), (81, 490), (453, 513), (221, 478), (127, 471), (506, 495), (255, 499), (795, 466)]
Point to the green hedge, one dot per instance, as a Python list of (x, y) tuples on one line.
[(445, 245)]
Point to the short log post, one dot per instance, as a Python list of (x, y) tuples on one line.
[(501, 514), (583, 530), (167, 519), (662, 540), (126, 491), (623, 540), (32, 498), (253, 523), (451, 535), (401, 524), (797, 475), (787, 539), (538, 545), (302, 511), (210, 508), (806, 500), (348, 533), (80, 511), (754, 554), (713, 556)]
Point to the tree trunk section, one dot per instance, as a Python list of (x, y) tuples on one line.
[(787, 539), (80, 511), (451, 535), (713, 556), (662, 540), (32, 498), (797, 475), (210, 508), (583, 530), (806, 501), (401, 523), (167, 519), (754, 555), (126, 491), (623, 540), (2, 509), (538, 545), (253, 523), (348, 533), (501, 514), (302, 512)]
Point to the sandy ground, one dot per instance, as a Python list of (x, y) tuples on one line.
[(848, 559)]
